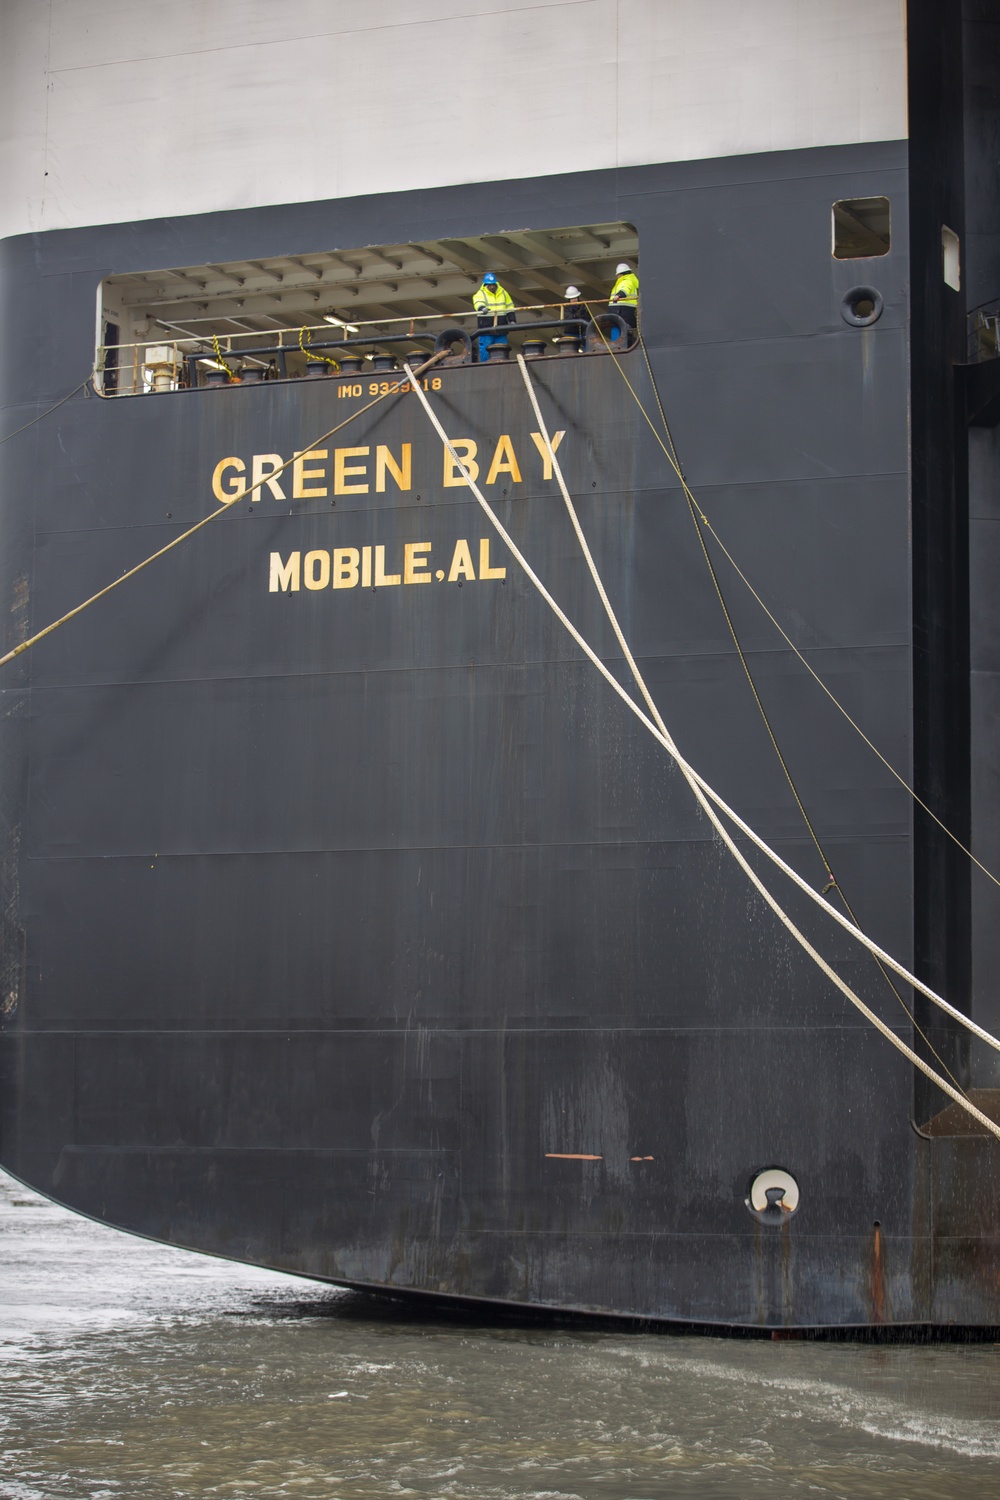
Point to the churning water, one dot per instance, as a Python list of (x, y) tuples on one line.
[(132, 1371)]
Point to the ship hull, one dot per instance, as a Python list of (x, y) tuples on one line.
[(362, 931)]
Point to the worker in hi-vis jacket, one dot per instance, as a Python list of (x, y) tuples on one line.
[(495, 307), (625, 296)]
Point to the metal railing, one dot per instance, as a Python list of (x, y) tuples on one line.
[(182, 359)]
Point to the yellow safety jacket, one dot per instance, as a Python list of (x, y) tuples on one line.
[(492, 301), (628, 283)]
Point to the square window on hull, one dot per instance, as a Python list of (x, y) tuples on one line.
[(860, 228)]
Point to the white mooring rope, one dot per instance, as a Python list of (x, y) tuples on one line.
[(814, 895), (704, 794)]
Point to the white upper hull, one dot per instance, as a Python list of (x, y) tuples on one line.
[(119, 110)]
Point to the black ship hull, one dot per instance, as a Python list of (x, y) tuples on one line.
[(361, 931)]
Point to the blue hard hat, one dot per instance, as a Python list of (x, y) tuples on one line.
[(489, 279)]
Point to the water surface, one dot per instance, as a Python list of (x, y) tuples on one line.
[(128, 1370)]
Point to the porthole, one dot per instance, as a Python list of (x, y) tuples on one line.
[(773, 1196), (861, 306)]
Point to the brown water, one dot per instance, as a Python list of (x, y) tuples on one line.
[(128, 1370)]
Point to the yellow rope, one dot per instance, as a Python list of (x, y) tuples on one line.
[(226, 505), (312, 353), (218, 355)]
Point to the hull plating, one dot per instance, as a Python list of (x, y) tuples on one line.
[(361, 931)]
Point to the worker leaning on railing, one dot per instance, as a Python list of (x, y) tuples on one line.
[(495, 306), (625, 297)]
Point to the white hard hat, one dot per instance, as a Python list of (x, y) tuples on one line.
[(621, 267), (572, 291)]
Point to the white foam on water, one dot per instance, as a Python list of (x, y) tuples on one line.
[(971, 1439), (785, 1397), (104, 1337)]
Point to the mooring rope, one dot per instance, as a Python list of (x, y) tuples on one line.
[(305, 339), (832, 883), (62, 402), (706, 795), (224, 506), (855, 929), (704, 520)]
